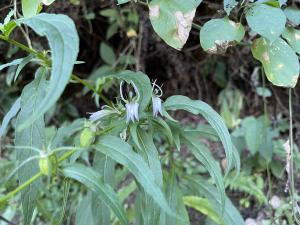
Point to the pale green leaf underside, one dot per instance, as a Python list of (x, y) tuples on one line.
[(217, 34), (9, 115), (94, 182), (32, 136), (266, 20), (63, 40), (172, 20), (280, 62)]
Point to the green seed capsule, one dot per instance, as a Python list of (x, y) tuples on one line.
[(87, 137), (48, 165)]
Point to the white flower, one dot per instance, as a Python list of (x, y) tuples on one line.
[(132, 105), (156, 106), (156, 101), (105, 111)]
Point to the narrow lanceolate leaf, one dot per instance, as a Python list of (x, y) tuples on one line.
[(105, 166), (229, 5), (203, 206), (172, 20), (30, 7), (218, 34), (63, 40), (174, 197), (141, 81), (84, 209), (229, 213), (122, 153), (32, 136), (150, 154), (293, 15), (196, 107), (292, 36), (266, 20), (95, 183), (9, 115), (280, 62), (203, 154)]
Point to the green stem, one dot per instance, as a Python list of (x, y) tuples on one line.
[(32, 179), (196, 26), (48, 63), (21, 187)]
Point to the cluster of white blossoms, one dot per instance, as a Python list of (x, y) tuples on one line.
[(131, 104)]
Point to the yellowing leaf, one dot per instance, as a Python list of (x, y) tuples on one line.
[(172, 20)]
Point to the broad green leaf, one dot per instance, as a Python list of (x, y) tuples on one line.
[(142, 82), (107, 54), (203, 154), (203, 206), (9, 115), (197, 107), (229, 5), (106, 168), (95, 183), (64, 44), (280, 62), (32, 136), (217, 35), (266, 20), (229, 214), (292, 36), (293, 14), (30, 7), (172, 20), (122, 153)]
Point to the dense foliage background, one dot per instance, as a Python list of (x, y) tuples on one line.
[(117, 37)]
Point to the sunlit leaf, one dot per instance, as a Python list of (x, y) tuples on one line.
[(280, 62), (172, 20), (266, 20), (30, 7), (63, 40), (218, 34)]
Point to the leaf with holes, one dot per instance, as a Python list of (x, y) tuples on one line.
[(172, 20), (280, 62), (218, 34)]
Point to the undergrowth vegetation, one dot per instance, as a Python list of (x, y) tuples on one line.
[(137, 155)]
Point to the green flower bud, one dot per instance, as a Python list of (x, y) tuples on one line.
[(87, 137), (48, 165)]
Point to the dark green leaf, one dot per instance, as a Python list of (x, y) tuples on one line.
[(107, 54)]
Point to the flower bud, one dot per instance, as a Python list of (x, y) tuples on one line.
[(87, 137), (48, 165)]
